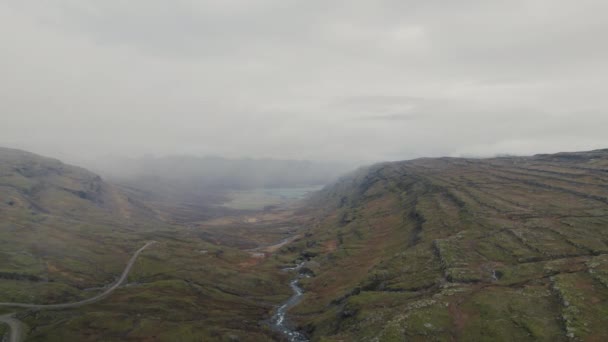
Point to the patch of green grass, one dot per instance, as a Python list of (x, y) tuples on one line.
[(37, 292), (504, 314), (582, 310), (598, 268), (3, 330)]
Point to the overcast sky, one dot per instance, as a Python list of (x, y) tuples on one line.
[(315, 79)]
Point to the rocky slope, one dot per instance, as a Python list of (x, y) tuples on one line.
[(508, 249)]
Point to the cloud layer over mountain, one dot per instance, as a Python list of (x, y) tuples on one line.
[(347, 80)]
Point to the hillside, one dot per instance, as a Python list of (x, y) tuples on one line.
[(66, 235), (47, 186), (54, 216), (503, 249)]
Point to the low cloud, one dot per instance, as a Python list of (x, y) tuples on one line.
[(302, 80)]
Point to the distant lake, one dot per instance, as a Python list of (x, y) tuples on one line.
[(257, 199)]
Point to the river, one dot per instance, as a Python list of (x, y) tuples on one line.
[(279, 321)]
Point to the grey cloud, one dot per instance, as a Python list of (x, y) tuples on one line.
[(392, 117), (374, 100), (303, 79)]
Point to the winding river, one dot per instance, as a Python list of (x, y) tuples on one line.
[(278, 321)]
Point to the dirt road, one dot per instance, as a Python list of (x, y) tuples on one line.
[(16, 327)]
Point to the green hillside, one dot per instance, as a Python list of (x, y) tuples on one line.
[(503, 249), (65, 234)]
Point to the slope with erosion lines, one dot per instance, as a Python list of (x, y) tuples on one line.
[(507, 248)]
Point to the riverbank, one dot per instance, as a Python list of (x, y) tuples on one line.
[(279, 321)]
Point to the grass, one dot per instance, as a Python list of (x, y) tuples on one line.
[(486, 250), (187, 294), (65, 234), (433, 249), (583, 305)]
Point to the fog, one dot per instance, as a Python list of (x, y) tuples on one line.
[(195, 175), (356, 81)]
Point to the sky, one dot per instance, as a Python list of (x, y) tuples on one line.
[(316, 79)]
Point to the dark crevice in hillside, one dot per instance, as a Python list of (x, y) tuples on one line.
[(574, 244), (442, 262), (542, 181), (527, 245), (418, 221), (20, 276), (366, 184), (532, 281), (459, 203), (478, 201), (563, 176), (557, 216), (415, 188), (602, 172), (560, 258), (25, 195), (556, 188), (497, 196), (35, 170), (422, 289)]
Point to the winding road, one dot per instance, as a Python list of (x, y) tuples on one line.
[(16, 333), (16, 327)]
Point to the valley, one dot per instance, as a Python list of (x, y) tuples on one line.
[(65, 234), (303, 171), (499, 249)]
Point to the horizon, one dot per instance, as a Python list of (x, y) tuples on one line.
[(72, 159), (97, 165)]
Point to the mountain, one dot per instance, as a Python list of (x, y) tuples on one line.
[(509, 249), (506, 249), (66, 235), (57, 222), (40, 185)]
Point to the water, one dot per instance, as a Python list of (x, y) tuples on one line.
[(278, 320), (292, 193), (258, 199)]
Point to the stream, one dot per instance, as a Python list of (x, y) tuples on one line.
[(278, 321)]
